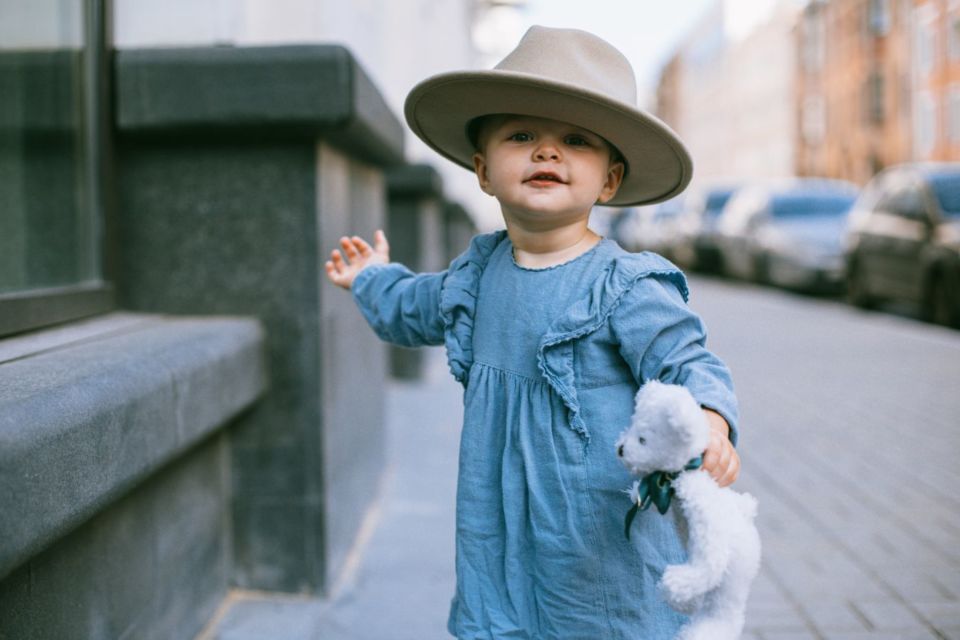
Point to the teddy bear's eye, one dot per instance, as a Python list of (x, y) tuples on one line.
[(641, 440)]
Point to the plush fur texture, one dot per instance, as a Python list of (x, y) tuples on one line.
[(669, 429)]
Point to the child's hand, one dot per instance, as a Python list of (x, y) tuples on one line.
[(359, 254), (720, 459)]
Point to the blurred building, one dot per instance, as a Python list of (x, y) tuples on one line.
[(734, 107), (668, 98), (935, 75), (837, 88), (854, 88)]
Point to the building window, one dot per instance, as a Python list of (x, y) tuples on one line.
[(953, 33), (812, 32), (924, 41), (925, 126), (813, 120), (51, 219), (878, 17), (874, 89), (953, 114)]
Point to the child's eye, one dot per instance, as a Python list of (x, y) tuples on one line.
[(521, 136), (576, 141)]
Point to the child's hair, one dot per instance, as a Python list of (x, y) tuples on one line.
[(478, 128)]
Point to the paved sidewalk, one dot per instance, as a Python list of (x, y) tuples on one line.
[(851, 434), (400, 576), (851, 427)]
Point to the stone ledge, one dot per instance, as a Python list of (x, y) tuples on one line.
[(416, 180), (247, 91), (82, 423)]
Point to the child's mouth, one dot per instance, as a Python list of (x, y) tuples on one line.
[(544, 178)]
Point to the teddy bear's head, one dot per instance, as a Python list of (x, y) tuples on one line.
[(667, 430)]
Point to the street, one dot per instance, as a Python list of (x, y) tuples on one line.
[(849, 442)]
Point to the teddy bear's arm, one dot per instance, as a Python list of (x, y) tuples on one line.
[(708, 552)]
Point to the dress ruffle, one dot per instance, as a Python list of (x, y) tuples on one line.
[(458, 302), (555, 353)]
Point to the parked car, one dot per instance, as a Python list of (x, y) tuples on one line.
[(789, 232), (696, 243), (650, 228), (904, 241)]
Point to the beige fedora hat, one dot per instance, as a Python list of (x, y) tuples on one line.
[(561, 74)]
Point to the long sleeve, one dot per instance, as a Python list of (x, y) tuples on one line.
[(662, 339), (401, 307)]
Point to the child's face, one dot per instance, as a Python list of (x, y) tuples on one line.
[(539, 167)]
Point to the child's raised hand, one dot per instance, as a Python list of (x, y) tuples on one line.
[(359, 255), (720, 459)]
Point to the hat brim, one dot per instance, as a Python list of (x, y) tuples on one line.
[(439, 108)]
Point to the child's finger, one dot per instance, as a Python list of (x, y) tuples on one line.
[(711, 457), (349, 249), (380, 243), (337, 259), (731, 474), (365, 249)]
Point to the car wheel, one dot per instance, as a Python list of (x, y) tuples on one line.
[(943, 306), (857, 293), (761, 268)]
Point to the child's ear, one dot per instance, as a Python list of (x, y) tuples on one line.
[(612, 184), (480, 168)]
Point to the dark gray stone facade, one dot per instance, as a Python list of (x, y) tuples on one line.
[(115, 473), (225, 431), (233, 189)]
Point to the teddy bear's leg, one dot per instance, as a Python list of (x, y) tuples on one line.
[(708, 549), (683, 587), (722, 614)]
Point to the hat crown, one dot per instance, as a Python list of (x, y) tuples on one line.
[(574, 57)]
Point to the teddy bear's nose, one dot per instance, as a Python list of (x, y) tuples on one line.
[(620, 451)]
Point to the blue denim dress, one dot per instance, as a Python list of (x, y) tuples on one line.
[(550, 360)]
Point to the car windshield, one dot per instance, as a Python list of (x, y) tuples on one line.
[(946, 186), (810, 204), (716, 200)]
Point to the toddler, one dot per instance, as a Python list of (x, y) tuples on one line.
[(552, 329)]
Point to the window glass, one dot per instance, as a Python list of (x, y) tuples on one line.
[(788, 206), (878, 17), (953, 113), (946, 188), (906, 201), (874, 91), (48, 230), (716, 201)]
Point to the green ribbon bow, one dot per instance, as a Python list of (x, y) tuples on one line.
[(657, 488)]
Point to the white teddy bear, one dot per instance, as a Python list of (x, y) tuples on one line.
[(667, 434)]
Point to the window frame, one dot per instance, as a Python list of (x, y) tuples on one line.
[(26, 310)]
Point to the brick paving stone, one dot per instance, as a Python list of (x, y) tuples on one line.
[(788, 635), (888, 615), (835, 615), (920, 634), (942, 612), (951, 632), (774, 617)]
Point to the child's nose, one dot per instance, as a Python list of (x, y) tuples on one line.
[(547, 150)]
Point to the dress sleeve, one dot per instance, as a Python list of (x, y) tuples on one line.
[(402, 307), (662, 339)]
